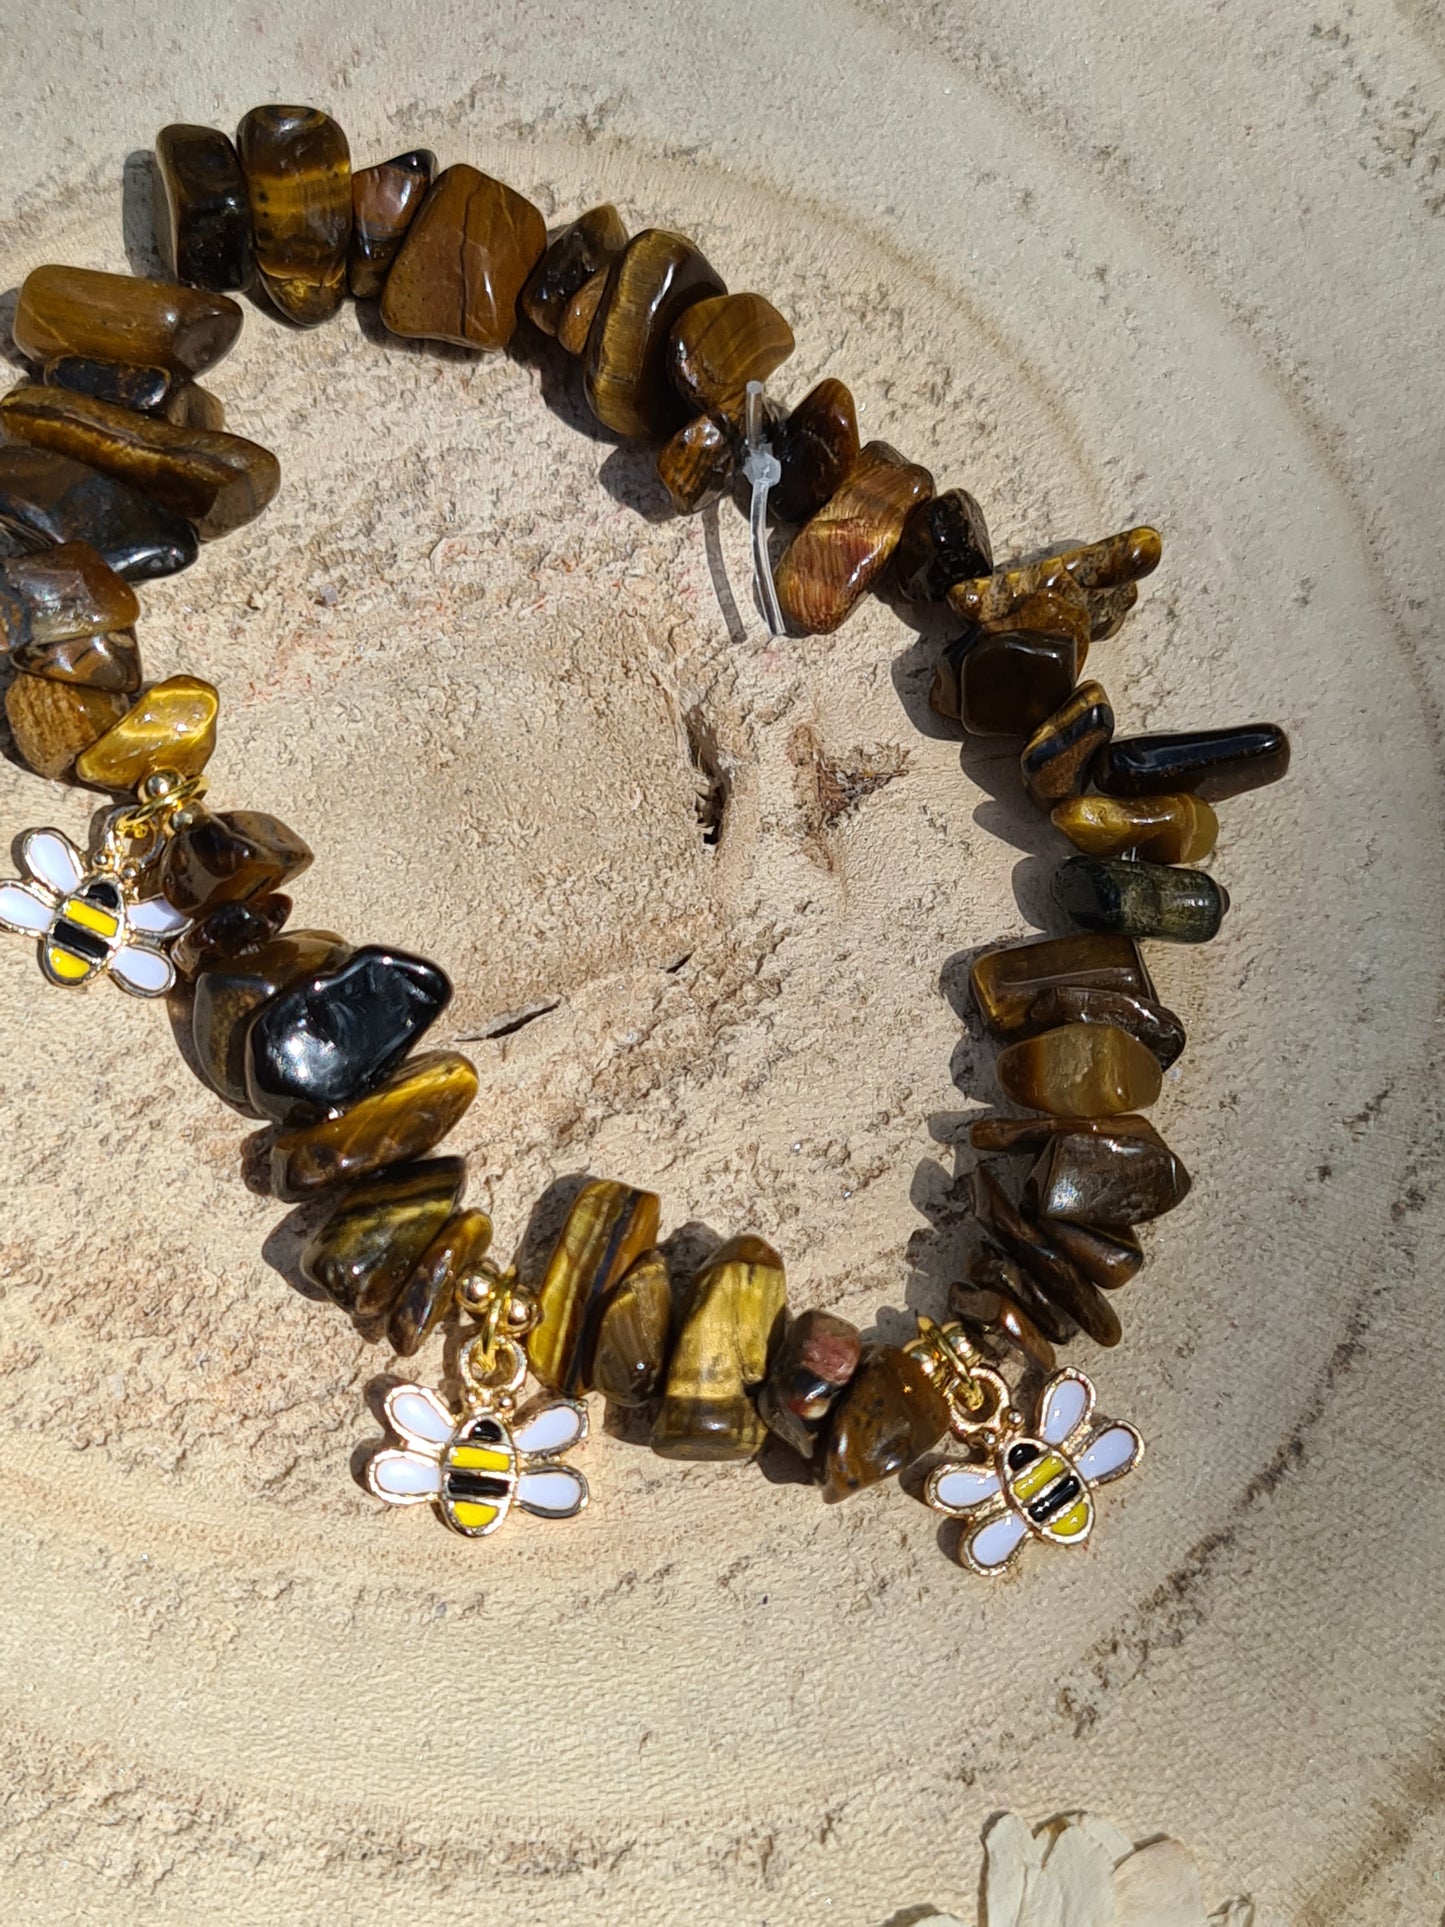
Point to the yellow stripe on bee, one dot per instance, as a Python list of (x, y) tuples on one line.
[(1071, 1522), (91, 917), (473, 1513), (69, 969), (1031, 1481), (479, 1458)]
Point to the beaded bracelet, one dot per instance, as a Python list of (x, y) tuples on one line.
[(117, 466)]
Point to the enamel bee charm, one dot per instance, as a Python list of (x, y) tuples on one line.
[(87, 921)]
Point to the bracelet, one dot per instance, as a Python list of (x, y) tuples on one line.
[(117, 465)]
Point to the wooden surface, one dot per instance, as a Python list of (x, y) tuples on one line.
[(1104, 267)]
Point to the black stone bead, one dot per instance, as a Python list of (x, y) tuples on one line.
[(1212, 763), (209, 226), (326, 1041), (147, 390), (47, 499), (945, 540), (1141, 899)]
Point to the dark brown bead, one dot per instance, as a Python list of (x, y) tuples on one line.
[(380, 1232), (1138, 899), (890, 1414), (145, 389), (945, 540), (581, 251), (728, 1334), (118, 317), (191, 406), (1106, 1177), (1006, 982), (95, 662), (49, 499), (609, 1226), (228, 992), (228, 858), (1058, 757), (816, 447), (230, 929), (1060, 1281), (402, 1119), (51, 723), (1012, 682), (1212, 763), (430, 1292), (719, 345), (464, 262), (991, 1306), (992, 1270), (215, 482), (1156, 1028), (385, 200), (1109, 1257), (62, 593), (817, 1358), (698, 463), (633, 1330), (650, 285), (577, 317), (840, 552), (1028, 1134), (208, 225), (298, 179)]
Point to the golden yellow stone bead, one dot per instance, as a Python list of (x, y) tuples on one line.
[(1105, 572), (298, 178), (1081, 1070), (609, 1226), (1005, 982), (649, 286), (632, 1333), (407, 1116), (430, 1292), (733, 1321), (52, 722), (1159, 829), (119, 317), (172, 726), (721, 344)]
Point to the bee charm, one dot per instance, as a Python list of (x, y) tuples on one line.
[(1037, 1484), (473, 1467), (86, 920)]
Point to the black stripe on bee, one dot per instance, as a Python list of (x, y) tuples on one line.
[(1022, 1454), (476, 1485), (1061, 1493), (80, 943)]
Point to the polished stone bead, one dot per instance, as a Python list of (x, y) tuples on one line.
[(577, 317), (145, 389), (1036, 1133), (229, 858), (332, 1038), (47, 499), (1106, 1176), (842, 550), (171, 727), (119, 317), (1059, 1280), (57, 594), (991, 1306), (1141, 899), (404, 1118), (608, 1228), (298, 180), (1156, 1028), (1158, 829), (698, 463), (1109, 1257), (633, 1329), (385, 200), (650, 285), (380, 1232), (208, 212), (1101, 573), (730, 1329), (1212, 763), (1058, 757), (431, 1290), (1086, 1070), (817, 1358), (464, 262), (945, 540), (215, 482), (51, 723), (95, 662), (229, 990), (991, 1269), (890, 1414), (228, 930), (584, 249), (1011, 683), (816, 448), (1006, 982), (1061, 611), (721, 344)]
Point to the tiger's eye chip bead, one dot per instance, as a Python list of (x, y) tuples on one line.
[(229, 930), (229, 990), (298, 181), (1213, 763), (945, 540), (1097, 1174), (120, 317), (1101, 573), (729, 1331), (208, 225), (229, 858), (991, 1306), (1029, 1134), (1057, 1279), (583, 250), (1156, 1028), (1109, 1258), (577, 318), (50, 499), (404, 1118), (842, 550), (1086, 1070), (1157, 829), (1141, 899), (431, 1290), (1011, 682), (52, 722), (464, 262), (814, 1364), (171, 727), (385, 200), (1057, 758), (1005, 982), (721, 344), (633, 1330), (816, 448), (890, 1414), (94, 662), (697, 464), (650, 285), (380, 1232), (62, 593), (147, 390), (608, 1228)]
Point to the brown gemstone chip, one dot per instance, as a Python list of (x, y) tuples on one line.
[(404, 1118), (1010, 683), (380, 1232), (1156, 1028), (890, 1414), (840, 552), (464, 262), (1106, 1176), (228, 858), (117, 317), (1057, 758), (1028, 1134), (385, 200), (1006, 982), (575, 257), (817, 1358), (945, 540), (430, 1292), (608, 1227), (633, 1331), (816, 448), (1057, 1278), (1157, 829), (992, 1306), (698, 463), (298, 178), (1097, 571), (94, 662), (208, 225), (650, 285), (48, 499), (51, 723), (1091, 1070), (228, 930), (729, 1331), (229, 990), (1109, 1257), (61, 593), (721, 344), (171, 727), (576, 323)]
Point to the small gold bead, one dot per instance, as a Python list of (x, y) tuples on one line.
[(158, 785)]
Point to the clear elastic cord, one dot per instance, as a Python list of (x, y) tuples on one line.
[(762, 468)]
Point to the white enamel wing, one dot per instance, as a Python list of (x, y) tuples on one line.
[(56, 878), (997, 1520)]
